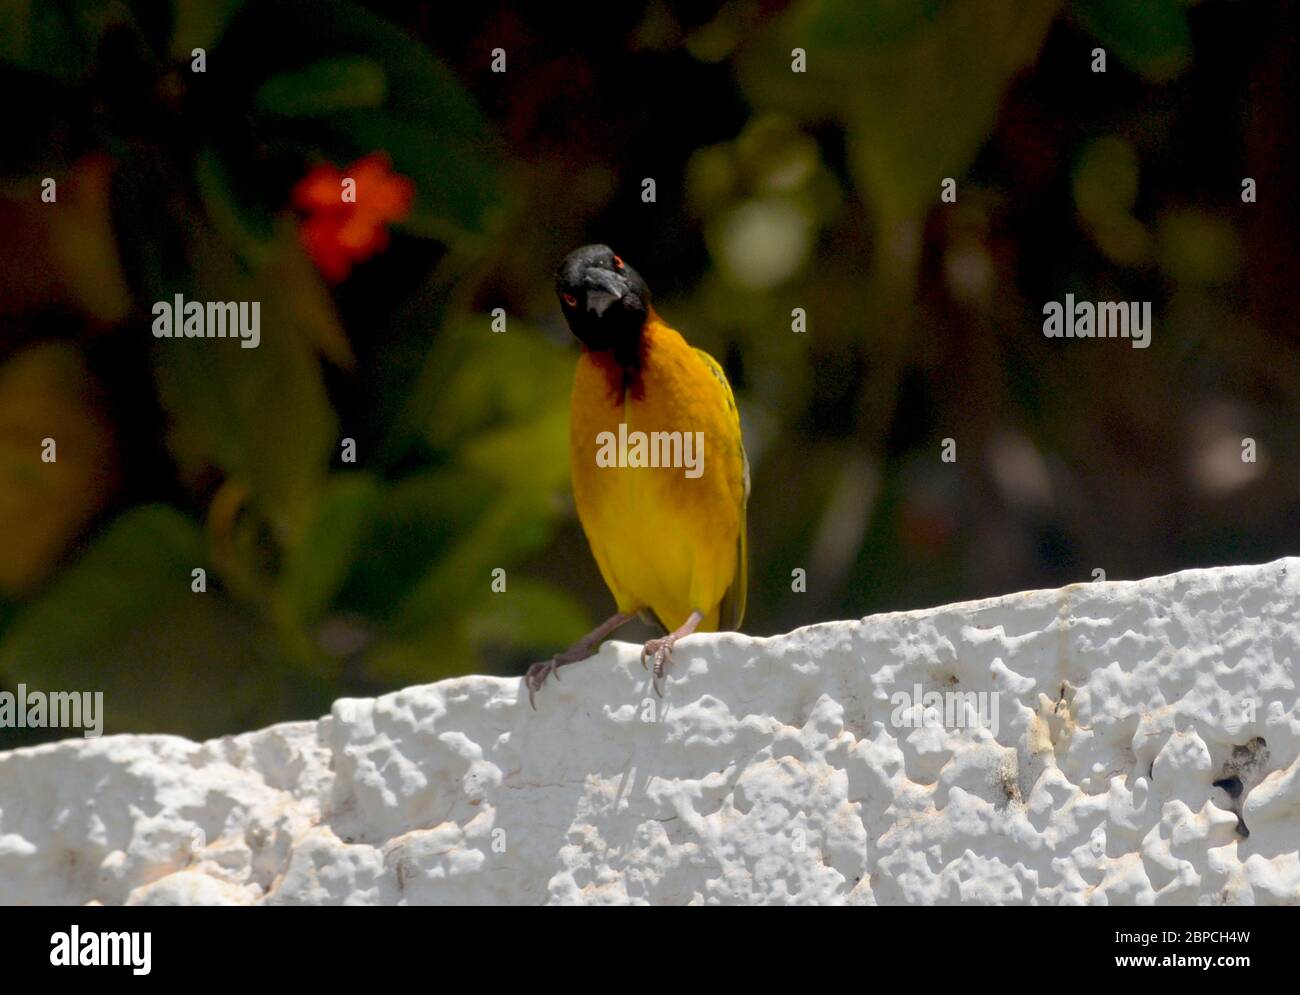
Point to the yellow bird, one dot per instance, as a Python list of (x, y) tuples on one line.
[(660, 476)]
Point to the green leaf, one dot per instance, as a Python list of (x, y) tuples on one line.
[(261, 414), (528, 614), (420, 86), (921, 111), (532, 453), (426, 120), (200, 24), (318, 564), (1151, 37), (514, 524), (476, 383), (415, 524), (457, 185), (920, 102), (124, 621), (324, 88), (139, 566), (269, 249), (56, 39), (246, 229), (425, 569), (836, 25), (497, 404)]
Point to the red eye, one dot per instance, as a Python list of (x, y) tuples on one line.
[(618, 263), (570, 300)]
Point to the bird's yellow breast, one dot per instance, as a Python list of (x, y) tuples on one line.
[(668, 538)]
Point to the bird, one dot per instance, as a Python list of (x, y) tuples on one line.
[(660, 475)]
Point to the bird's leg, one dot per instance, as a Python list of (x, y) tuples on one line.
[(580, 650), (661, 649)]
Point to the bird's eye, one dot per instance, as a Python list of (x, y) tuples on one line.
[(570, 300), (618, 263)]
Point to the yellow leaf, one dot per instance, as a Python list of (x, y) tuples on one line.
[(46, 393)]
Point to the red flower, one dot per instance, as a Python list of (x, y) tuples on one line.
[(345, 224)]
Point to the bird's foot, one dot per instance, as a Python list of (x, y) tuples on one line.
[(660, 653), (536, 677), (581, 650), (537, 674), (660, 650)]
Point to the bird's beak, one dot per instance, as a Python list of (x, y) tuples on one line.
[(599, 300), (603, 290)]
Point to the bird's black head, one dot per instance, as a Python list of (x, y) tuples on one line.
[(604, 300)]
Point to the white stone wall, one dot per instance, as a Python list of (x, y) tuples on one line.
[(774, 770)]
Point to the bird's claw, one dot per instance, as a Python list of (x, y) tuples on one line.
[(660, 651), (536, 677)]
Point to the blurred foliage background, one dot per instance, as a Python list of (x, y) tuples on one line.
[(775, 190)]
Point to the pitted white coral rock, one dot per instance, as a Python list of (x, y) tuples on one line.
[(1143, 750)]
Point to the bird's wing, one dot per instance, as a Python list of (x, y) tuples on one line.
[(731, 612)]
